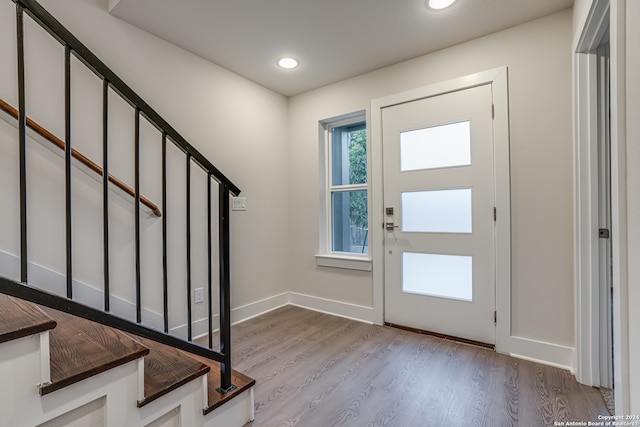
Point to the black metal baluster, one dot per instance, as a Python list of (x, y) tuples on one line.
[(22, 129), (165, 285), (54, 27), (189, 331), (137, 214), (225, 280), (209, 268), (105, 189), (67, 167), (110, 80)]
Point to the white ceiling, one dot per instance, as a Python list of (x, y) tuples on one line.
[(332, 39)]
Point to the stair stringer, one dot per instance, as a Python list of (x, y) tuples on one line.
[(190, 399), (20, 375), (187, 399), (22, 370), (236, 412)]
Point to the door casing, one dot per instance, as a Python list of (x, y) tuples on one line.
[(603, 14)]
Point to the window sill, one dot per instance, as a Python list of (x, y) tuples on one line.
[(344, 261)]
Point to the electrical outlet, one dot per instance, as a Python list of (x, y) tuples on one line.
[(199, 296), (239, 204)]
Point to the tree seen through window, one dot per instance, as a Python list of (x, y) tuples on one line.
[(349, 189)]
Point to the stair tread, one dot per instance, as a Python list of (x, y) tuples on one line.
[(19, 318), (167, 368), (216, 398), (80, 348)]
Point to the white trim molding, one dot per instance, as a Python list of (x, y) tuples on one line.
[(256, 308), (586, 217), (347, 262), (614, 15), (542, 352), (333, 307)]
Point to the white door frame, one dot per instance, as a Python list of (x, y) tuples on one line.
[(498, 79), (586, 198)]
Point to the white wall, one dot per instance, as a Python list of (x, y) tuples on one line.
[(239, 126), (580, 11), (538, 55)]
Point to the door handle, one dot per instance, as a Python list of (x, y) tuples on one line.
[(390, 227)]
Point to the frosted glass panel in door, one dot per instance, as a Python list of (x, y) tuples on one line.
[(437, 211), (446, 276), (436, 147)]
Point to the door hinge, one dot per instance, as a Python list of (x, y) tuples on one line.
[(495, 214), (495, 317), (493, 111)]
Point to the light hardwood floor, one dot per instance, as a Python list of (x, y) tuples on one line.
[(313, 369)]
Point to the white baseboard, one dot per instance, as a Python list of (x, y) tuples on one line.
[(336, 308), (541, 352), (9, 266), (248, 311), (238, 315), (332, 307)]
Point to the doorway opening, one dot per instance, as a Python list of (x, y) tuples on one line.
[(599, 218)]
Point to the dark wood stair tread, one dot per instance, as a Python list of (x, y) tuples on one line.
[(80, 348), (167, 368), (216, 398), (19, 318)]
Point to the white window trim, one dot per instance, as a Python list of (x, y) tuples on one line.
[(339, 260), (325, 256)]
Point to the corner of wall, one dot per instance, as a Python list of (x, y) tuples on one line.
[(112, 4)]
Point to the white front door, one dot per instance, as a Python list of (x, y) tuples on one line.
[(439, 246)]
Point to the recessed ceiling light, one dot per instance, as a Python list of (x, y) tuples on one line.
[(439, 4), (287, 63)]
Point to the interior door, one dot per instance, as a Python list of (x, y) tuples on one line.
[(438, 163)]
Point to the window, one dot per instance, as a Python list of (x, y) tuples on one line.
[(345, 226)]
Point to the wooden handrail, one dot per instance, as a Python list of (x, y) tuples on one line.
[(79, 156)]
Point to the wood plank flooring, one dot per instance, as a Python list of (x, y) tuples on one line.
[(313, 369)]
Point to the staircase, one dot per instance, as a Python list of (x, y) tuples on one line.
[(97, 296), (57, 369)]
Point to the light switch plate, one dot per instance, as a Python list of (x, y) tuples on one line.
[(239, 204)]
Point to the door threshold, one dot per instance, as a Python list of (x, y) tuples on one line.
[(443, 336)]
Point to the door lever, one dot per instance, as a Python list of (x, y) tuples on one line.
[(390, 227)]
